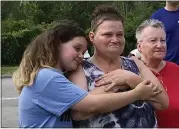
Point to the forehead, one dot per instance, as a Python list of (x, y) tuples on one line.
[(110, 25), (151, 32), (81, 41)]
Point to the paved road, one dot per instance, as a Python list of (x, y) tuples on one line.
[(9, 104)]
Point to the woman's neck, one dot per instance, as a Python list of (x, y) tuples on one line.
[(106, 64), (154, 64)]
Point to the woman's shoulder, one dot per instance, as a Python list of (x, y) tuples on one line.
[(128, 61), (171, 65), (129, 64), (126, 58), (86, 63)]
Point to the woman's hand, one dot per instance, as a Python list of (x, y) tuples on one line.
[(118, 75), (147, 90), (114, 80), (122, 79)]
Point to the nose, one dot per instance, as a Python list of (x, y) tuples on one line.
[(159, 44), (114, 39), (81, 56)]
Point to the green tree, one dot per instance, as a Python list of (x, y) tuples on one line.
[(21, 21)]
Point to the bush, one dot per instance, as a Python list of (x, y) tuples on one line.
[(15, 42)]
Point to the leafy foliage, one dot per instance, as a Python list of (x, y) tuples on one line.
[(24, 20)]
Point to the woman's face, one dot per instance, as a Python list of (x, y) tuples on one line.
[(153, 43), (71, 53), (108, 39)]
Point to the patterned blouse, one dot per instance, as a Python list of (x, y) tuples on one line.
[(139, 114)]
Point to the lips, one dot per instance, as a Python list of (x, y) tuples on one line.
[(159, 51), (114, 46)]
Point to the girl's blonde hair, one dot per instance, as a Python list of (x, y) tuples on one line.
[(43, 52)]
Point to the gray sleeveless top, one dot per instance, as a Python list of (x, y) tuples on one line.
[(139, 114)]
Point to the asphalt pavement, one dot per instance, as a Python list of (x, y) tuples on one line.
[(9, 104)]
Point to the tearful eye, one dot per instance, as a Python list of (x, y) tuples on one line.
[(107, 34), (119, 35), (77, 49)]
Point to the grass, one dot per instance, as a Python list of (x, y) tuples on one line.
[(8, 70)]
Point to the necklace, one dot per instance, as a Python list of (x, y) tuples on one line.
[(158, 75)]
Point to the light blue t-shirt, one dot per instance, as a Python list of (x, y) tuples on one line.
[(46, 103)]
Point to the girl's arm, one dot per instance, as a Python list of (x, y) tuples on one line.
[(104, 102)]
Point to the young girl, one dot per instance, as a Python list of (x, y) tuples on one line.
[(46, 95)]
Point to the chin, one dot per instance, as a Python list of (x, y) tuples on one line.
[(115, 49), (159, 57), (116, 53), (69, 68), (73, 68)]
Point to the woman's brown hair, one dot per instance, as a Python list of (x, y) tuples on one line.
[(43, 52), (105, 12)]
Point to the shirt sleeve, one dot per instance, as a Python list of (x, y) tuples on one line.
[(59, 95), (154, 16)]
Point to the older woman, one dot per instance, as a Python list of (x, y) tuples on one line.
[(151, 39), (107, 36)]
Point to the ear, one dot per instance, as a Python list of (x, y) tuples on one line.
[(91, 36), (139, 47)]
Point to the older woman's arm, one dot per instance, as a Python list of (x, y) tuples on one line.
[(160, 101), (104, 102), (78, 77)]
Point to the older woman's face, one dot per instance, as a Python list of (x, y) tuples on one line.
[(152, 43), (109, 38)]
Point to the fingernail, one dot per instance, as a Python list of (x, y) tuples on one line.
[(96, 84)]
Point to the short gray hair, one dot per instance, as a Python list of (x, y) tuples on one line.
[(150, 22)]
